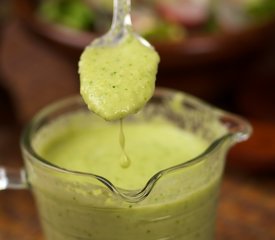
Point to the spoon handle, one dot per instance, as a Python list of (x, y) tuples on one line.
[(121, 16)]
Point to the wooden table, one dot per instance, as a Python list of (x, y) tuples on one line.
[(30, 68)]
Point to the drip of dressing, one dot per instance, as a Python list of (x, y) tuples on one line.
[(125, 161)]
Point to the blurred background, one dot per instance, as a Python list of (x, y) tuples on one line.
[(222, 51)]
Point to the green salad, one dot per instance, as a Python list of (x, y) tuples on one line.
[(160, 19), (71, 13)]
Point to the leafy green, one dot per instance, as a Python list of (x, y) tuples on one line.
[(165, 31), (261, 10), (71, 13)]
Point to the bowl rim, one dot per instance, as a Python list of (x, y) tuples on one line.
[(214, 46)]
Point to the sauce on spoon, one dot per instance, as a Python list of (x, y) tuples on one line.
[(117, 80)]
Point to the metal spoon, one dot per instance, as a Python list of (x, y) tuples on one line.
[(118, 70), (121, 26)]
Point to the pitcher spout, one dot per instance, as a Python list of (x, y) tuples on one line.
[(239, 129), (133, 196)]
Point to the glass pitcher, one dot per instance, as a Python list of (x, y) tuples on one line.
[(174, 204)]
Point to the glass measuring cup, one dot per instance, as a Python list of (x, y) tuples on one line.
[(176, 203)]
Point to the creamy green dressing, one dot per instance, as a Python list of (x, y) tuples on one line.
[(182, 207), (118, 80), (93, 147)]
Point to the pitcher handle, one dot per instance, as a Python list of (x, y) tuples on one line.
[(12, 178)]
